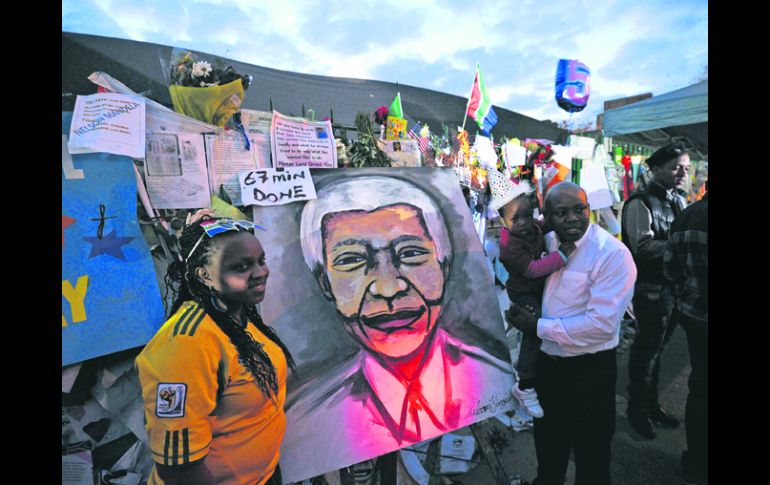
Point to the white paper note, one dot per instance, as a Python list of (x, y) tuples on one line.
[(594, 181), (227, 155), (257, 125), (276, 186), (77, 465), (108, 123), (402, 153), (515, 155), (297, 142), (175, 171), (486, 152)]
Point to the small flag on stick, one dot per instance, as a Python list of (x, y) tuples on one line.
[(423, 142), (395, 109), (480, 105)]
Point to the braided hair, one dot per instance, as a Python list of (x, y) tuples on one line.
[(182, 282)]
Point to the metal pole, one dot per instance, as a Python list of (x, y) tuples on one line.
[(470, 94)]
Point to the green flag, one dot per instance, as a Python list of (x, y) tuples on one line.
[(395, 107)]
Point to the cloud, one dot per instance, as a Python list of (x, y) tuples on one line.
[(438, 82), (630, 47)]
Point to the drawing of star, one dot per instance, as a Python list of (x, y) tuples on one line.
[(109, 244), (65, 223)]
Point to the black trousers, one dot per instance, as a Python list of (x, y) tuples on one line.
[(578, 399), (530, 345), (275, 478), (696, 412), (653, 312)]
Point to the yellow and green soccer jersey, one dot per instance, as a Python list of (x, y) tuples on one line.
[(200, 401)]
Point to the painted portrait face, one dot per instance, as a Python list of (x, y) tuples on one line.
[(383, 274)]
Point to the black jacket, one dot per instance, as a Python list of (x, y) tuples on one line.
[(649, 251)]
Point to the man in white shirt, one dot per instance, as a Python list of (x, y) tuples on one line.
[(576, 369)]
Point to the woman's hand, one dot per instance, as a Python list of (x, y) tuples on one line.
[(199, 214)]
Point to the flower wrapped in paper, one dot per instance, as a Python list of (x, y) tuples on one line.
[(207, 92)]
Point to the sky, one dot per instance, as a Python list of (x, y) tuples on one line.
[(630, 46)]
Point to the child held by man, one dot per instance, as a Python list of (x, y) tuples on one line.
[(523, 254)]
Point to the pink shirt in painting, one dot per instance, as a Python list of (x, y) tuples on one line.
[(365, 410)]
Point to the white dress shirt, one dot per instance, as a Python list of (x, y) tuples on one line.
[(584, 302)]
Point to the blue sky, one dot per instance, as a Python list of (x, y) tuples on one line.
[(631, 46)]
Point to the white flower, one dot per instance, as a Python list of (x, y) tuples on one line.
[(201, 68)]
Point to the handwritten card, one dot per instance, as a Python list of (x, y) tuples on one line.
[(276, 186), (108, 123), (297, 142)]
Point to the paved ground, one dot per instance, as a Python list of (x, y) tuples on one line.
[(636, 461)]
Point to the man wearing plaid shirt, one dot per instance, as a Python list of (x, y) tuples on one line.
[(685, 264)]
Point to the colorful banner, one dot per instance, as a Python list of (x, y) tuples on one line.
[(110, 295)]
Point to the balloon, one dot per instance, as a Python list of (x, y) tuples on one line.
[(572, 85)]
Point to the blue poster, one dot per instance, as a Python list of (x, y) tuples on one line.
[(110, 295)]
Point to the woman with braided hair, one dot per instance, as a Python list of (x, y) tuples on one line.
[(213, 377)]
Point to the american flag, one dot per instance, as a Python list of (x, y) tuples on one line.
[(423, 142)]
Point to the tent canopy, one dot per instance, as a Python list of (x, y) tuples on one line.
[(676, 115), (138, 66)]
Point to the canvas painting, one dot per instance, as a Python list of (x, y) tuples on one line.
[(382, 293), (110, 295)]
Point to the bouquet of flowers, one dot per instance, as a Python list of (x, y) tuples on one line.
[(210, 93), (364, 152)]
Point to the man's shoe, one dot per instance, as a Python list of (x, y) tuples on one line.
[(640, 421), (660, 416), (689, 475), (528, 400)]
